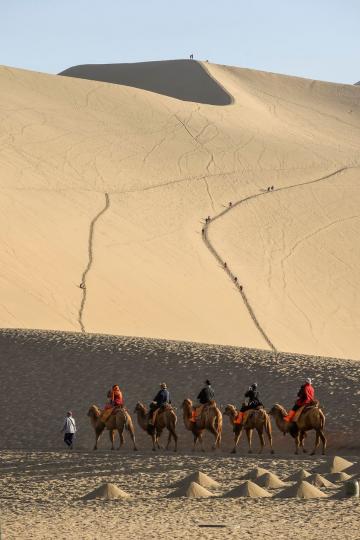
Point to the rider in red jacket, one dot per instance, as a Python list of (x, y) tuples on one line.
[(306, 395)]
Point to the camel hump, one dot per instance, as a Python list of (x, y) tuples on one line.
[(212, 403)]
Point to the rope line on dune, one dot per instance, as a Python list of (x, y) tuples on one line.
[(230, 274), (90, 261)]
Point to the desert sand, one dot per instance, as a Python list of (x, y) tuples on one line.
[(110, 274), (108, 185), (42, 485)]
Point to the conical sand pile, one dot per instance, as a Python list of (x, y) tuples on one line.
[(269, 481), (301, 490), (255, 473), (299, 475), (338, 477), (335, 465), (348, 489), (200, 478), (193, 490), (248, 489), (319, 481), (107, 492)]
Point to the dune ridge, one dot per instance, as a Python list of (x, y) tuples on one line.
[(166, 164)]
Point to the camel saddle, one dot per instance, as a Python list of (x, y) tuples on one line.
[(304, 408), (199, 409)]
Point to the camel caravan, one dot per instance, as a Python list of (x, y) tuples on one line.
[(205, 416)]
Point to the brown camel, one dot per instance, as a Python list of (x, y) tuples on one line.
[(166, 418), (210, 419), (116, 422), (311, 418), (257, 419)]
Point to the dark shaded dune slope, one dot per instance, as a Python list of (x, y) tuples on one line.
[(45, 373), (181, 79)]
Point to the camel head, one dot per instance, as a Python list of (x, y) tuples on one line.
[(186, 404), (230, 410), (93, 412), (277, 410), (140, 407)]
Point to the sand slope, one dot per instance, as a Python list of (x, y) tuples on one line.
[(108, 184)]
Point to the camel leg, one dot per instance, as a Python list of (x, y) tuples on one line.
[(215, 433), (317, 442), (323, 441), (269, 436), (131, 431), (236, 440), (301, 440), (172, 434), (175, 440), (154, 441), (121, 436), (249, 433), (98, 433), (199, 438), (112, 437), (261, 438), (194, 441), (297, 443), (168, 441)]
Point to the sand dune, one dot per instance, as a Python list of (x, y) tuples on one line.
[(109, 184), (181, 79)]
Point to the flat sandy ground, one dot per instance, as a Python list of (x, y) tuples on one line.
[(46, 373), (41, 498)]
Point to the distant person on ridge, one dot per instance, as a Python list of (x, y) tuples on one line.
[(206, 395), (306, 396), (161, 399), (253, 402), (69, 429)]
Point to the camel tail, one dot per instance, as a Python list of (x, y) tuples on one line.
[(322, 419)]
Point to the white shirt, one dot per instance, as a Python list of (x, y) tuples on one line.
[(69, 425)]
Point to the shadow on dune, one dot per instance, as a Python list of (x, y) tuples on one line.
[(181, 79)]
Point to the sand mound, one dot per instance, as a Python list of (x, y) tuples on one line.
[(269, 481), (181, 79), (301, 474), (349, 489), (248, 489), (255, 473), (319, 481), (338, 477), (335, 465), (199, 478), (107, 492), (193, 490), (301, 490)]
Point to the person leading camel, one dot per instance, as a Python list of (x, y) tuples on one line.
[(206, 395), (306, 395), (161, 399), (253, 402)]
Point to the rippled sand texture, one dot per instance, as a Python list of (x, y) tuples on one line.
[(107, 186), (41, 498)]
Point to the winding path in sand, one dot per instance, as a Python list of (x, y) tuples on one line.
[(90, 260), (222, 261)]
